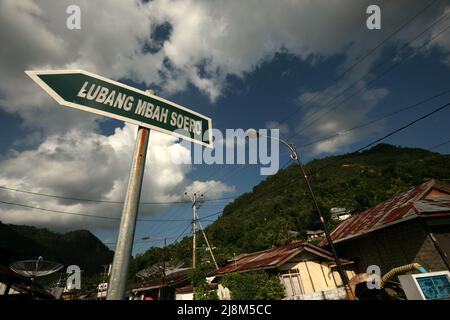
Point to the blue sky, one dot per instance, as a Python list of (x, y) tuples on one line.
[(241, 66)]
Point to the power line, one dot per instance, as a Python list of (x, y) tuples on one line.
[(370, 83), (103, 201), (438, 109), (359, 60), (93, 215), (187, 227), (295, 179), (440, 145), (385, 60), (400, 28), (141, 242), (362, 125)]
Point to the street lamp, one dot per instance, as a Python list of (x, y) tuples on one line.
[(295, 157)]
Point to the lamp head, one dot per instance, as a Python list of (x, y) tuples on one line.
[(252, 133)]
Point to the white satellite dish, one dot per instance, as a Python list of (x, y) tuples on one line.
[(35, 268)]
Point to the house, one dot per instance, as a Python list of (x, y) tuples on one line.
[(340, 214), (306, 271), (159, 288), (187, 292), (314, 235), (413, 226)]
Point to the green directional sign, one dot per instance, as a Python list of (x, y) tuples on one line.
[(90, 92)]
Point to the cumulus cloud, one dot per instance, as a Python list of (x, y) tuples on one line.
[(212, 189), (207, 42), (337, 108), (325, 118), (92, 166)]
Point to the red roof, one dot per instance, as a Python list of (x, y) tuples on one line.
[(272, 258), (407, 205)]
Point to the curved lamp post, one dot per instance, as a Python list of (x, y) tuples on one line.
[(295, 157)]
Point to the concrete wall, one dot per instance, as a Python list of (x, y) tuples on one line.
[(394, 246)]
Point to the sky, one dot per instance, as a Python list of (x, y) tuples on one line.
[(311, 69)]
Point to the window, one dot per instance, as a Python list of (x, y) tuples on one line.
[(292, 283)]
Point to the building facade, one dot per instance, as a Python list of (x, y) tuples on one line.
[(413, 226), (305, 270)]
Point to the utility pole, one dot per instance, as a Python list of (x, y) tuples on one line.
[(294, 156), (197, 201), (163, 275), (194, 233)]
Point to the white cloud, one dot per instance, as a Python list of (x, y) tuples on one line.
[(212, 189), (325, 118), (92, 166), (209, 41)]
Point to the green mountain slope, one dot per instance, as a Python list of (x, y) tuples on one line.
[(262, 218), (79, 247)]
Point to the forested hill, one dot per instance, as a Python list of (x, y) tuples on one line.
[(79, 247), (263, 217)]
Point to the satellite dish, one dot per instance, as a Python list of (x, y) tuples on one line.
[(35, 268), (158, 268)]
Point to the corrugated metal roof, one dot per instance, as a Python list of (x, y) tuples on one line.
[(407, 205), (272, 258), (170, 280)]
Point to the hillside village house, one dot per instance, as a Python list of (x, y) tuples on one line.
[(306, 271), (312, 235), (413, 226), (160, 287)]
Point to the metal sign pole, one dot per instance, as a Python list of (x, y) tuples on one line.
[(119, 272)]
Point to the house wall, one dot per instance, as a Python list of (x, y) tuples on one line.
[(393, 246), (315, 275), (184, 296), (441, 235)]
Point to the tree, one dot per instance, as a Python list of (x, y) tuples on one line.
[(198, 278), (253, 285)]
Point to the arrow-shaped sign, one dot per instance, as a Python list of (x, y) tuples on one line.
[(90, 92)]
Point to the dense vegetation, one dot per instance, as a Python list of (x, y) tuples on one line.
[(253, 285), (257, 220), (79, 247), (262, 218)]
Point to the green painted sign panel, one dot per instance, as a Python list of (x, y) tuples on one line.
[(89, 92)]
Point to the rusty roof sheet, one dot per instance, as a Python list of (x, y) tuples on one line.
[(272, 258), (407, 205), (172, 279)]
